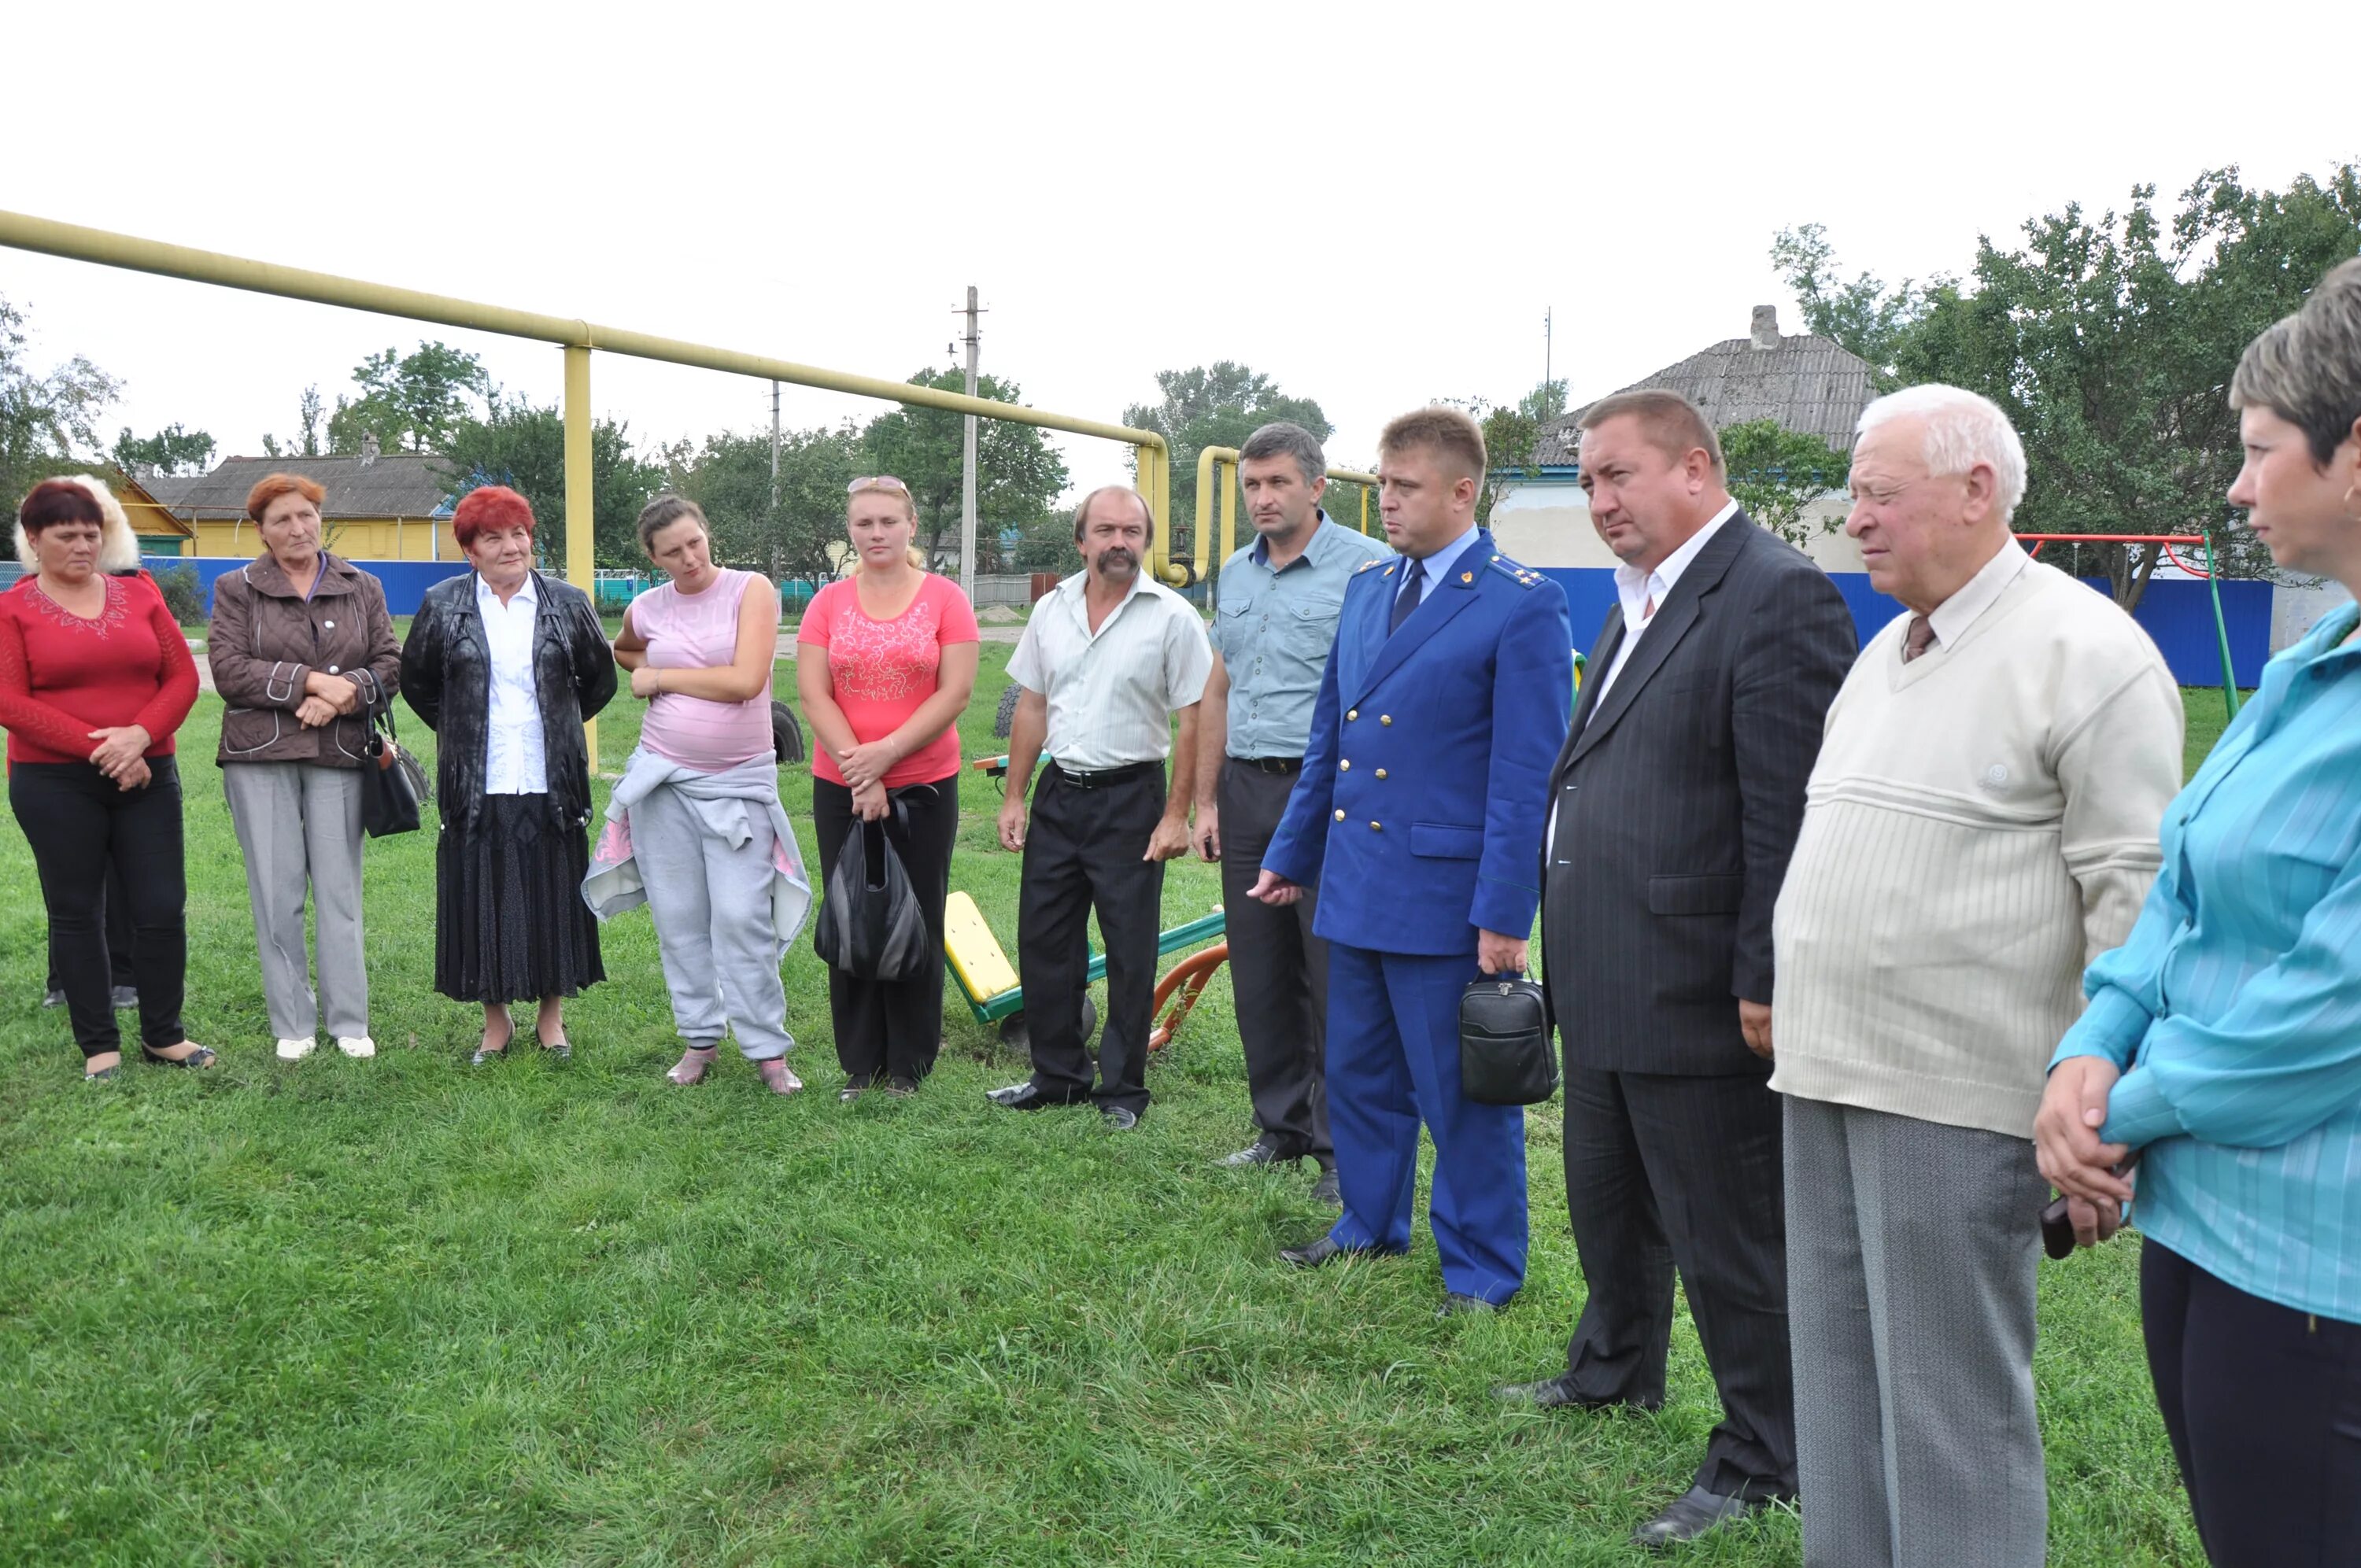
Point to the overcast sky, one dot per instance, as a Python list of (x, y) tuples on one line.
[(1373, 204)]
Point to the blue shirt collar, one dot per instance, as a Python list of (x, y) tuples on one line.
[(1442, 560), (1259, 552)]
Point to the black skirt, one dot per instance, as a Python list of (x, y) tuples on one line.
[(509, 922)]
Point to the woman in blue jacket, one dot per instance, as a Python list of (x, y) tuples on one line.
[(2222, 1047)]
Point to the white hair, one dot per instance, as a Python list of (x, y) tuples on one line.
[(1964, 429)]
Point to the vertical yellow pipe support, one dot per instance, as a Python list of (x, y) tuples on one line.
[(1226, 476), (581, 552)]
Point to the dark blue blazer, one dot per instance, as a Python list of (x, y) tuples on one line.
[(1425, 780)]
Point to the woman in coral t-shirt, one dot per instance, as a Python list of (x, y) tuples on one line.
[(885, 665)]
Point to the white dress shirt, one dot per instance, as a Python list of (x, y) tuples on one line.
[(1644, 593), (1951, 619), (1112, 692), (515, 761)]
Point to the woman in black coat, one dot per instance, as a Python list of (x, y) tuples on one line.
[(505, 665)]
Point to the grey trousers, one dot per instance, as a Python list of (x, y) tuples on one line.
[(1912, 1248), (300, 826), (711, 905)]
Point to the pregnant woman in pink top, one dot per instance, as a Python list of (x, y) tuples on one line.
[(885, 662), (700, 797)]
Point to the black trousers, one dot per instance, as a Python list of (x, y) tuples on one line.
[(118, 916), (1082, 851), (1279, 972), (1667, 1171), (82, 828), (893, 1028), (2263, 1405)]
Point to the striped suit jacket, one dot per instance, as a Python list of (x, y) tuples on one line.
[(1677, 800)]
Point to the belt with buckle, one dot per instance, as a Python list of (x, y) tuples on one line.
[(1271, 764), (1105, 776)]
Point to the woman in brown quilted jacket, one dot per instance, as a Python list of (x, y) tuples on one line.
[(303, 653)]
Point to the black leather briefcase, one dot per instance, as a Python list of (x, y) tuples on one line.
[(1505, 1055)]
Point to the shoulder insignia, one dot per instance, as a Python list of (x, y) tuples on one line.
[(1523, 575), (1365, 566)]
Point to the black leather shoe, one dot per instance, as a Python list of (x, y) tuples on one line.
[(1325, 1190), (1557, 1393), (1260, 1153), (1026, 1096), (1312, 1253), (1456, 1304), (1118, 1119), (126, 998), (54, 999), (1691, 1515)]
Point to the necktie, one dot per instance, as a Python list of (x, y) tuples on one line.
[(1413, 583), (1921, 638)]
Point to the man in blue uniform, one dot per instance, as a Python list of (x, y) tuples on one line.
[(1419, 815)]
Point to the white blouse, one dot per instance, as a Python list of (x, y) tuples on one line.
[(515, 761)]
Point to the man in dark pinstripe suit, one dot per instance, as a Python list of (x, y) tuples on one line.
[(1676, 803)]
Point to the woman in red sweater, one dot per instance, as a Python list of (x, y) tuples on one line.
[(95, 677)]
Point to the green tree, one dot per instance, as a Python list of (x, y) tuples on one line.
[(412, 402), (170, 450), (1777, 472), (1861, 314), (1213, 405), (1017, 472), (789, 529), (1042, 543), (47, 416), (523, 447), (308, 421), (2109, 341)]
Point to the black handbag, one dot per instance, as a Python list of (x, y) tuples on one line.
[(1505, 1056), (393, 785), (869, 923)]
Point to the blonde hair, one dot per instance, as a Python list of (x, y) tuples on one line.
[(900, 492), (118, 547)]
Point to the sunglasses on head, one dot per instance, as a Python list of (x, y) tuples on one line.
[(877, 482)]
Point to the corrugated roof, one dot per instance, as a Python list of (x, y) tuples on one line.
[(397, 484), (1808, 383)]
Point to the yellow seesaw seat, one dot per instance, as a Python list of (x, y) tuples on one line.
[(983, 970)]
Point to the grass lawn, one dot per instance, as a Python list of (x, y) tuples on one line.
[(403, 1311)]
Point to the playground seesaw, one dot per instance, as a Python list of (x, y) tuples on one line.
[(988, 980)]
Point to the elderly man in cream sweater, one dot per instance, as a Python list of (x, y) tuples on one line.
[(1981, 823)]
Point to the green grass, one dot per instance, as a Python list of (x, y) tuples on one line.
[(401, 1311)]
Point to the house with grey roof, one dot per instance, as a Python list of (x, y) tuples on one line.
[(391, 506), (1805, 382)]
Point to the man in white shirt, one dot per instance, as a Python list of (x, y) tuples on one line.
[(1981, 823), (1107, 660)]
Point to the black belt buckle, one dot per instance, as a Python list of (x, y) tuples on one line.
[(1274, 765), (1103, 777)]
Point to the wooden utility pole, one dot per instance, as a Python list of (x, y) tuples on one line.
[(966, 458)]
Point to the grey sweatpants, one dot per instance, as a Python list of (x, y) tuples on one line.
[(1912, 1248), (300, 826), (711, 905)]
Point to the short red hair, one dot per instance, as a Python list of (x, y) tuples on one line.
[(54, 501), (493, 505), (273, 485)]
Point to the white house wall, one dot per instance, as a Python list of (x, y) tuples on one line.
[(1549, 525)]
